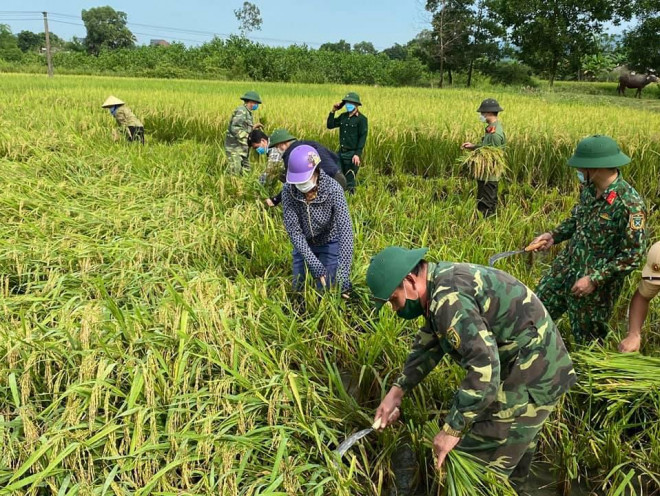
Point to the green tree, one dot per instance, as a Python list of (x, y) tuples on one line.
[(549, 33), (34, 42), (249, 17), (9, 50), (396, 52), (342, 46), (106, 28), (485, 36), (608, 54), (642, 45), (365, 48)]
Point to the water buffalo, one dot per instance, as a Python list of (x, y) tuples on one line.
[(638, 81)]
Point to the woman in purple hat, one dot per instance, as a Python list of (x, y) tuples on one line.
[(317, 221)]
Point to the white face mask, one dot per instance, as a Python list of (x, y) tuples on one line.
[(306, 186), (482, 118)]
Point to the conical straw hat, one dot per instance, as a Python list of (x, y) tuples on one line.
[(111, 101)]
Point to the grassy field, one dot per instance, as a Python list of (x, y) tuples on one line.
[(147, 339)]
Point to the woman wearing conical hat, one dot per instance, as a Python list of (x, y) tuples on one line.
[(125, 118)]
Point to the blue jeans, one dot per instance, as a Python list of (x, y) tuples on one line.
[(327, 254)]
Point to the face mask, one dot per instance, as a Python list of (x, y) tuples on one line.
[(412, 309), (306, 186), (261, 150), (350, 107), (581, 177), (482, 118), (113, 110), (255, 106)]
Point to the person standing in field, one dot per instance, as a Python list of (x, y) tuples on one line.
[(605, 241), (649, 287), (127, 121), (317, 221), (280, 145), (353, 130), (517, 367), (240, 126), (494, 136)]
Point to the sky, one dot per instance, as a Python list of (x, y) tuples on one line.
[(383, 22)]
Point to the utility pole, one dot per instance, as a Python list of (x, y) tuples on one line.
[(48, 57)]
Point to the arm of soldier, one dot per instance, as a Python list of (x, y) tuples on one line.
[(298, 240), (425, 354), (363, 131), (470, 336), (566, 229), (332, 121), (631, 254)]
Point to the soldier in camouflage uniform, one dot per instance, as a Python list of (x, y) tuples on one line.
[(606, 241), (353, 129), (495, 327), (236, 139), (494, 136), (126, 119)]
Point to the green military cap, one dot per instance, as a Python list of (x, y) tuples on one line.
[(388, 268), (281, 136), (597, 152), (252, 96), (352, 97), (490, 105)]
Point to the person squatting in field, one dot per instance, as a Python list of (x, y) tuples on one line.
[(317, 221), (236, 138), (517, 367), (279, 147), (353, 130), (605, 237), (648, 288), (494, 136), (126, 120)]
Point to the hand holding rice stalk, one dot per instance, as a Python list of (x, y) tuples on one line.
[(486, 162), (465, 475)]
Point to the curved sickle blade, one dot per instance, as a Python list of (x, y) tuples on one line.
[(505, 254)]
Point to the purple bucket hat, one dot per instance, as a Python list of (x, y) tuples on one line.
[(302, 163)]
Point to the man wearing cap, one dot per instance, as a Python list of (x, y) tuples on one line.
[(318, 223), (353, 129), (648, 289), (236, 139), (126, 119), (494, 136), (517, 366), (280, 144), (605, 241)]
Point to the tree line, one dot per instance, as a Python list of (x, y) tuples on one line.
[(504, 40)]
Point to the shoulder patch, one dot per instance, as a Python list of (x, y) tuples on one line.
[(453, 338), (637, 221), (611, 197)]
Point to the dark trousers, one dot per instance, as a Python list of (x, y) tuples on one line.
[(349, 170), (487, 197), (327, 254), (135, 133)]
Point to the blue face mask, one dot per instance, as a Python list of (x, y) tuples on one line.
[(581, 177), (262, 151), (113, 110), (350, 107), (255, 107)]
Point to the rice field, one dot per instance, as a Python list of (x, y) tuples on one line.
[(148, 341)]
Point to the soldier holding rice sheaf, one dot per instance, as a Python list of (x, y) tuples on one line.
[(488, 175), (605, 237), (125, 118), (240, 126), (497, 329), (648, 288)]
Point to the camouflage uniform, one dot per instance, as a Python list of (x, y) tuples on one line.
[(352, 138), (487, 189), (606, 241), (236, 145), (516, 362)]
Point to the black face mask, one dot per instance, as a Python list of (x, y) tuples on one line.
[(412, 308)]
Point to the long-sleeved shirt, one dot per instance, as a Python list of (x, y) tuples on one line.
[(500, 333), (606, 235), (353, 132), (319, 222), (125, 117), (240, 126)]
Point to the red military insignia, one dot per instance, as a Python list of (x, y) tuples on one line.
[(611, 197), (490, 129)]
